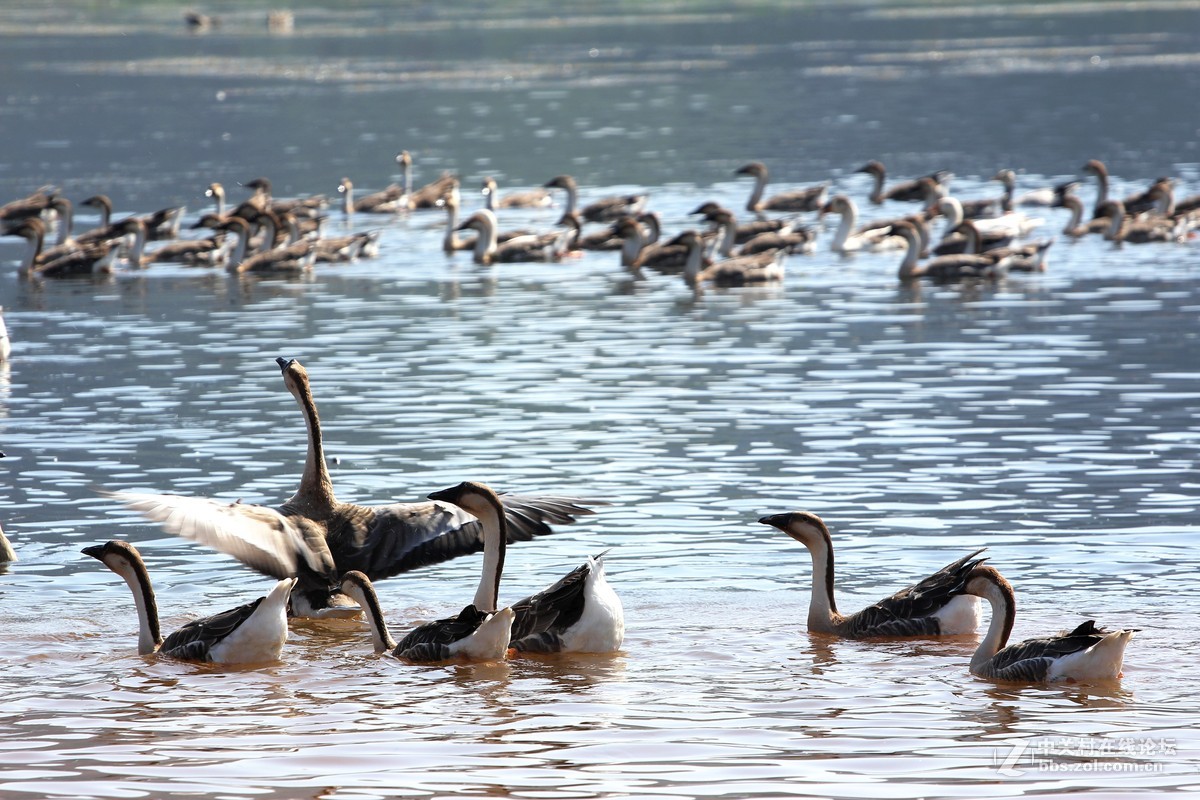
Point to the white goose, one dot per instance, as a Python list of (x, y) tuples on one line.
[(249, 634), (1086, 654), (5, 341), (851, 237), (534, 247), (937, 606)]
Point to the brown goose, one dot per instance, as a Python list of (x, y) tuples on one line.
[(909, 191), (1134, 204), (944, 268), (262, 200), (161, 224), (386, 201), (1028, 257), (936, 606), (431, 195), (1122, 228), (607, 209), (746, 230), (534, 247), (793, 239), (534, 198), (249, 634), (1086, 654), (765, 267), (317, 538), (91, 259), (1075, 227), (808, 199), (30, 206)]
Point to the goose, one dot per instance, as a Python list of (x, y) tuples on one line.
[(987, 206), (317, 538), (289, 258), (1014, 224), (386, 201), (333, 249), (92, 259), (217, 192), (206, 252), (765, 267), (451, 243), (580, 613), (473, 635), (1086, 654), (7, 554), (936, 606), (5, 342), (250, 634), (808, 199), (1030, 257), (534, 247), (607, 209), (608, 238), (746, 230), (908, 191), (534, 198), (851, 237), (1134, 204), (431, 195), (161, 224), (1075, 227), (636, 252), (31, 205), (944, 268), (262, 200), (1047, 196), (1121, 228), (794, 240)]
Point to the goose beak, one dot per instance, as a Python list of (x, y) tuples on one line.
[(96, 551), (774, 520), (284, 363)]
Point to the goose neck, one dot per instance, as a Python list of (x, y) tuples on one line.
[(149, 632), (754, 203), (495, 536), (1004, 609), (909, 268), (822, 608)]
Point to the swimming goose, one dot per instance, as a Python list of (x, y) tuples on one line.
[(1134, 204), (944, 268), (908, 191), (1075, 228), (332, 249), (580, 613), (1086, 653), (851, 237), (161, 224), (5, 343), (1028, 257), (764, 267), (250, 634), (724, 221), (217, 192), (31, 205), (1014, 223), (1122, 228), (1045, 196), (608, 238), (317, 538), (432, 194), (607, 209), (534, 198), (288, 258), (386, 201), (534, 247), (262, 200), (808, 199), (92, 259), (7, 554), (472, 635), (937, 606), (746, 230), (636, 252)]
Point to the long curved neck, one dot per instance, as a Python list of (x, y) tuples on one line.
[(139, 246), (760, 186), (631, 246), (485, 243), (1113, 232), (347, 199), (219, 199), (490, 198), (877, 191), (315, 495), (36, 240), (406, 167), (572, 197), (269, 231), (239, 249), (1076, 207), (105, 213), (822, 608), (1004, 610), (381, 637), (695, 259), (952, 210), (495, 542), (1101, 188), (66, 220), (908, 267), (450, 240), (149, 632), (1006, 200), (728, 237), (845, 227)]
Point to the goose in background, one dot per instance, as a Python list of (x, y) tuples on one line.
[(908, 191), (850, 237), (534, 247), (608, 209), (5, 343), (250, 634), (944, 268), (580, 613), (609, 238), (1134, 204), (432, 194), (765, 267), (318, 538), (386, 201), (1122, 228), (808, 199), (638, 252), (937, 606), (262, 200), (534, 198), (472, 635), (1086, 654), (161, 224)]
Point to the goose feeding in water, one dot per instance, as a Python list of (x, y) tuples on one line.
[(580, 613), (937, 606), (250, 634), (807, 199), (317, 538), (608, 209), (534, 198), (907, 191), (1086, 654)]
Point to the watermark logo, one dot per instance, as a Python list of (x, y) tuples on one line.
[(1083, 754)]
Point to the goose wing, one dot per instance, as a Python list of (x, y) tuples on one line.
[(260, 537), (441, 632), (388, 540), (555, 608), (908, 612), (1031, 659), (194, 641)]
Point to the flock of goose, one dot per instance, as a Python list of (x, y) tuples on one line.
[(325, 556), (979, 238)]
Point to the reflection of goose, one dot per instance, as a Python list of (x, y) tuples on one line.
[(908, 191), (578, 614), (534, 198), (937, 606), (253, 633), (808, 199), (534, 247), (432, 194), (1085, 654), (385, 201), (316, 537), (607, 209)]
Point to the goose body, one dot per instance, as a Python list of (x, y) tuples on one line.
[(1121, 228), (87, 260), (608, 209), (1075, 226), (792, 238), (534, 247), (807, 199), (851, 237), (907, 191), (580, 613), (534, 198), (248, 634), (764, 267), (317, 538), (386, 201), (432, 194), (1086, 654), (945, 268), (936, 606), (636, 252)]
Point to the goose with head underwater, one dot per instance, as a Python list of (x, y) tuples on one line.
[(317, 538), (937, 606), (1086, 654), (253, 633)]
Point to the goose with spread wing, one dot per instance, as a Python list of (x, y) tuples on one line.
[(249, 634), (937, 606), (317, 538)]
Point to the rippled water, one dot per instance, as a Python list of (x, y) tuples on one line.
[(1050, 418)]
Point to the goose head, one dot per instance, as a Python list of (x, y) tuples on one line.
[(838, 204), (805, 527), (346, 185), (1095, 167), (482, 220), (404, 158), (489, 187), (560, 182), (872, 168), (705, 209), (215, 190), (121, 557), (100, 201), (260, 186), (755, 169), (471, 496)]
